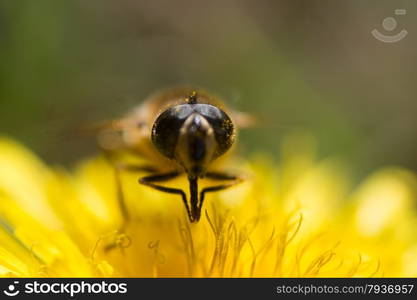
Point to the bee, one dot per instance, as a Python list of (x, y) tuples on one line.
[(181, 131)]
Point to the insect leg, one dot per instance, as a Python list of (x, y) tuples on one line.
[(223, 176), (119, 190), (218, 176), (118, 168), (150, 181)]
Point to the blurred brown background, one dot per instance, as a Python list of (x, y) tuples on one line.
[(298, 65)]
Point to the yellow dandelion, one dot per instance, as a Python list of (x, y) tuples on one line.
[(300, 218)]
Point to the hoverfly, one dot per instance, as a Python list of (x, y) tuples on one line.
[(181, 131)]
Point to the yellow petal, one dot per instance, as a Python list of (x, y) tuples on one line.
[(23, 178)]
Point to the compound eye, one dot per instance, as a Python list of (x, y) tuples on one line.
[(166, 129), (222, 125)]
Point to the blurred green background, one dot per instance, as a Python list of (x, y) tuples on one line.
[(297, 65)]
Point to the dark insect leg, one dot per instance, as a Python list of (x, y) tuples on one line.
[(222, 176), (120, 195), (119, 190), (150, 181), (218, 176)]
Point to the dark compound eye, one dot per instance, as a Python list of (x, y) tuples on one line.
[(167, 127), (222, 126)]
